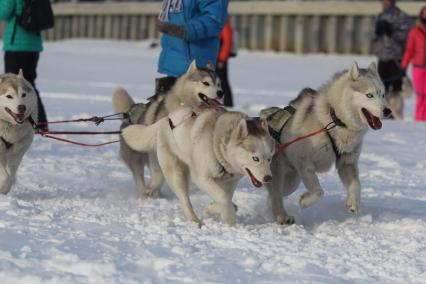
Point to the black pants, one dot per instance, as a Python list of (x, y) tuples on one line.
[(223, 75), (164, 84), (391, 75), (27, 61)]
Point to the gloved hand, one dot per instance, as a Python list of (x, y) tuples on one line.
[(171, 29), (384, 28)]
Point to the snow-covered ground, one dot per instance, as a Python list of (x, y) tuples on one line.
[(73, 215)]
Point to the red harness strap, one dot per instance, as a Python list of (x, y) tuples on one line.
[(78, 143), (47, 135), (284, 146)]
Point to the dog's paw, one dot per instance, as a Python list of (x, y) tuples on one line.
[(309, 198), (352, 205), (215, 209), (285, 220), (150, 194), (199, 222)]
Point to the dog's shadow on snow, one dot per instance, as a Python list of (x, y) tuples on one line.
[(252, 203), (377, 209)]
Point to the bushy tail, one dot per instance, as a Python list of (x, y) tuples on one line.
[(141, 138), (122, 101)]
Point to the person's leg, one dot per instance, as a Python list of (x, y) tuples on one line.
[(396, 76), (31, 69), (223, 75), (13, 61), (419, 82), (164, 84), (382, 68), (391, 76)]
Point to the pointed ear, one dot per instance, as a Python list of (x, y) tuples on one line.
[(241, 129), (354, 72), (21, 74), (209, 65), (372, 67), (192, 68)]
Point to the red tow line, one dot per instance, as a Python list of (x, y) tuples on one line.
[(97, 120), (281, 149)]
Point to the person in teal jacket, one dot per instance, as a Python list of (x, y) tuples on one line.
[(21, 48), (191, 30)]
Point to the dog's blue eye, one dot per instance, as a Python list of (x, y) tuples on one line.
[(256, 159), (369, 95), (24, 95), (9, 97), (206, 83)]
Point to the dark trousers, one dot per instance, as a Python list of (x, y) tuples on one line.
[(223, 75), (164, 84), (391, 75), (27, 61)]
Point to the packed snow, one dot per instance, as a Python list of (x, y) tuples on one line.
[(73, 215)]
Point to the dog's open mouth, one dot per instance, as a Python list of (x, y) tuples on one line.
[(209, 101), (18, 117), (254, 180), (372, 120)]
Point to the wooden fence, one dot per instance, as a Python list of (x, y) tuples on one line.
[(302, 27)]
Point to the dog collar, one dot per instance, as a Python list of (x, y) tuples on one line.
[(337, 121), (6, 143)]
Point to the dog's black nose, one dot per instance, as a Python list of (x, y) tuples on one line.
[(267, 178), (219, 94), (387, 112), (21, 108)]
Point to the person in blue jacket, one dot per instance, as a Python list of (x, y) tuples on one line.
[(191, 30)]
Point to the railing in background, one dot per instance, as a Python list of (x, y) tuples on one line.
[(302, 27)]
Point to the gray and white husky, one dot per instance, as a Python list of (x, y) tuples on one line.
[(354, 101), (212, 146), (18, 101), (196, 86)]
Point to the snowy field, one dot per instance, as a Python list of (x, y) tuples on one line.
[(73, 215)]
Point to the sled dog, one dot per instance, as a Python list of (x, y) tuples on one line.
[(212, 146), (196, 86), (18, 101), (353, 101)]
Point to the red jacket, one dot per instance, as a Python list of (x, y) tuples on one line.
[(415, 50), (225, 42)]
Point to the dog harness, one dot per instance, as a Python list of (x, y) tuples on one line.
[(8, 145), (277, 118), (337, 122)]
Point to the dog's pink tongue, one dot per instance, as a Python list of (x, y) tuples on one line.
[(213, 102), (376, 123)]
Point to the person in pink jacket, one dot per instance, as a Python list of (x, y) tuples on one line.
[(415, 52)]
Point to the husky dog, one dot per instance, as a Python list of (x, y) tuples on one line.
[(213, 146), (353, 101), (195, 87), (18, 101)]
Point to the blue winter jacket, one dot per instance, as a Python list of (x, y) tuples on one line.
[(203, 20)]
